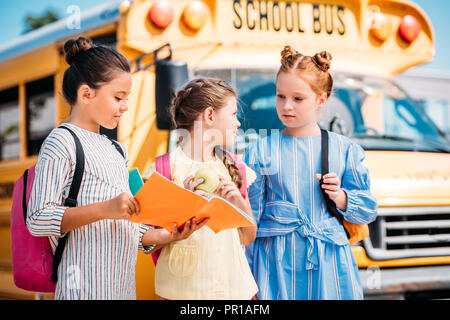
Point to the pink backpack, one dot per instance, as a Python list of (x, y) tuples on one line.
[(32, 257), (35, 267), (162, 164), (33, 264)]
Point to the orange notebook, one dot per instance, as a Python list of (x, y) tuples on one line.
[(163, 203)]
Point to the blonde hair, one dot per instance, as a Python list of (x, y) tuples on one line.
[(312, 69), (193, 99)]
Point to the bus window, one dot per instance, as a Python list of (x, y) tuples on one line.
[(391, 120), (337, 115), (40, 112), (409, 123), (256, 99), (109, 40), (373, 111), (9, 124)]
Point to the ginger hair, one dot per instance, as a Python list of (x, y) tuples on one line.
[(312, 69)]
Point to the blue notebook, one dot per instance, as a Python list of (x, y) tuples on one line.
[(135, 180)]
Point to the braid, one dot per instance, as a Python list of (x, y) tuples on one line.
[(233, 170), (181, 112), (176, 109)]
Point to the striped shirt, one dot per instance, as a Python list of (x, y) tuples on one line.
[(99, 259), (301, 252)]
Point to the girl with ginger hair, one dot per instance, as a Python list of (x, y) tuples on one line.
[(301, 251)]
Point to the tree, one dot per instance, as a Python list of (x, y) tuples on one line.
[(33, 22)]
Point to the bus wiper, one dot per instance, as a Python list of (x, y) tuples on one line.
[(434, 145)]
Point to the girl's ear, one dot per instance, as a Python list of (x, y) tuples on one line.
[(85, 94), (322, 99), (208, 116)]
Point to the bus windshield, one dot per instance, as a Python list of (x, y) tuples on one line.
[(374, 112)]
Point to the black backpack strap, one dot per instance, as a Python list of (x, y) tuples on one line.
[(71, 200), (331, 206), (24, 196), (117, 147)]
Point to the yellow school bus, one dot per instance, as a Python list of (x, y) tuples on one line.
[(168, 42)]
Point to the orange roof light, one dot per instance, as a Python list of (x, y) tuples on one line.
[(409, 28), (161, 14), (125, 6), (195, 15), (382, 27)]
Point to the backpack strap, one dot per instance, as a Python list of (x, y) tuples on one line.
[(71, 200), (24, 196), (331, 206), (241, 166), (162, 164), (117, 146)]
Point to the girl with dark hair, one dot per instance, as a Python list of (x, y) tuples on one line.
[(99, 258)]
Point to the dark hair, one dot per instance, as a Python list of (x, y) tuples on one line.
[(316, 67), (90, 64), (194, 98)]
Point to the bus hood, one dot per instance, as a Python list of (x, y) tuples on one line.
[(401, 178)]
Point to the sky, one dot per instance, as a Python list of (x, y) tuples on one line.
[(437, 11), (12, 15)]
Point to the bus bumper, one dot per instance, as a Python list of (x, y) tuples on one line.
[(406, 283)]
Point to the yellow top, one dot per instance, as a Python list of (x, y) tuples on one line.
[(205, 266)]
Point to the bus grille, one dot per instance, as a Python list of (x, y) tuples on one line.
[(403, 232)]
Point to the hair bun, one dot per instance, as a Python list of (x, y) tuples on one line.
[(288, 52), (323, 60), (72, 48)]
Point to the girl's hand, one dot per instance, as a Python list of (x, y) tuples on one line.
[(228, 190), (161, 236), (121, 207), (190, 184), (331, 185)]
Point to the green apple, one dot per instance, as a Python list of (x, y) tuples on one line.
[(210, 180)]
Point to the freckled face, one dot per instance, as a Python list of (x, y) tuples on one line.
[(110, 101), (296, 102)]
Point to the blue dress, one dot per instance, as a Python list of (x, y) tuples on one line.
[(301, 252)]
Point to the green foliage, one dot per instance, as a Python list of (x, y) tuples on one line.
[(33, 22)]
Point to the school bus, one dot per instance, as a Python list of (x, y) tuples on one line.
[(168, 42)]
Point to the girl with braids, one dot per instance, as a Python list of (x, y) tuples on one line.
[(207, 265), (301, 251)]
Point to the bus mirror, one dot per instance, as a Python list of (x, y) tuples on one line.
[(170, 75)]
